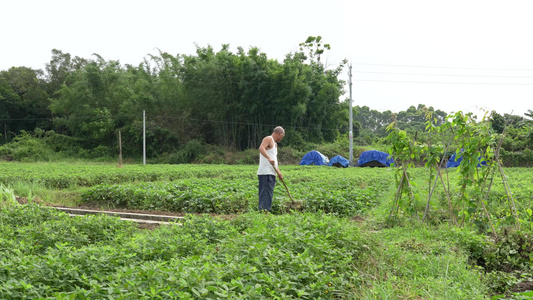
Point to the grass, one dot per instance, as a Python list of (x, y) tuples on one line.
[(417, 262), (7, 195), (36, 192), (414, 261)]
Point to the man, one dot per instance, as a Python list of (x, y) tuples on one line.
[(268, 167)]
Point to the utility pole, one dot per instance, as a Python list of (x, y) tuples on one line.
[(351, 116), (144, 138), (119, 149)]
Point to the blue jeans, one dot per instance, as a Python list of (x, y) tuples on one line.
[(266, 191)]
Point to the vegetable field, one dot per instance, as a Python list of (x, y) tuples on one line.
[(335, 241), (205, 188)]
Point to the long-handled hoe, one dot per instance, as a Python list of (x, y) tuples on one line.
[(281, 178)]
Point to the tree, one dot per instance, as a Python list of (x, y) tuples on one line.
[(497, 122), (59, 70), (86, 109), (323, 108), (24, 99), (215, 97), (314, 47), (529, 113)]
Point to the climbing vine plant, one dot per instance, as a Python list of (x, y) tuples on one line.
[(477, 148), (405, 152)]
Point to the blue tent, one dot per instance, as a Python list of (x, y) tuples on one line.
[(314, 157), (455, 162), (339, 161), (374, 158)]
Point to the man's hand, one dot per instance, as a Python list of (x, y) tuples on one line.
[(272, 161), (280, 176)]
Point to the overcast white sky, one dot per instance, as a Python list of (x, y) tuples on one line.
[(452, 55)]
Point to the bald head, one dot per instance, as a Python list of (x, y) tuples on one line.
[(279, 129), (278, 134)]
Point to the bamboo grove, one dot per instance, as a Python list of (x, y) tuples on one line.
[(214, 97)]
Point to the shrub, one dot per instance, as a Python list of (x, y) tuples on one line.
[(517, 159), (512, 251), (192, 151), (27, 148), (60, 142)]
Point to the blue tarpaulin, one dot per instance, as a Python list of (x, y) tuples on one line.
[(453, 162), (374, 158), (314, 157), (339, 161)]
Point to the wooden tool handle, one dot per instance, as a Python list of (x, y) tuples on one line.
[(282, 181)]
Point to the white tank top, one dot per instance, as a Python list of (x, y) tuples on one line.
[(265, 168)]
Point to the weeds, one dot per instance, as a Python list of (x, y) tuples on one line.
[(7, 196)]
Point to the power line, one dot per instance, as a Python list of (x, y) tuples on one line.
[(440, 67), (448, 75), (71, 118), (174, 118), (437, 82), (247, 124), (33, 119)]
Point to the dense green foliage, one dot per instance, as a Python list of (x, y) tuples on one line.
[(100, 257), (201, 106), (237, 196), (308, 256), (517, 142), (205, 188), (289, 254), (59, 176), (215, 97), (373, 124), (306, 183), (469, 196)]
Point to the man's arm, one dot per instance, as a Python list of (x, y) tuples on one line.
[(266, 143)]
